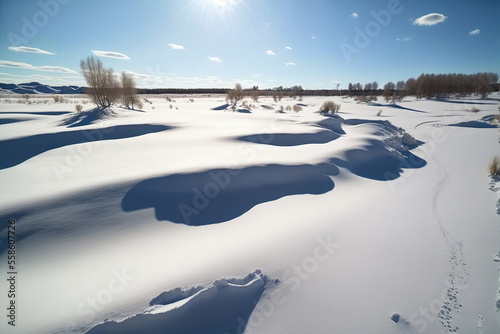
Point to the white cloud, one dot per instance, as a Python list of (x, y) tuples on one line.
[(14, 64), (29, 49), (290, 64), (354, 15), (138, 75), (430, 19), (176, 46), (217, 59), (288, 48), (313, 37), (110, 54), (270, 53), (404, 39), (475, 32)]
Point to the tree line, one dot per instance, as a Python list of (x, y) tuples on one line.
[(105, 88), (432, 86)]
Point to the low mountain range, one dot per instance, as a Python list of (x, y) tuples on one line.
[(38, 88)]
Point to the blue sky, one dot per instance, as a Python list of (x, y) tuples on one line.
[(268, 43)]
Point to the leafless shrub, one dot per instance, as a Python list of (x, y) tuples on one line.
[(170, 106), (140, 105), (168, 99), (288, 108), (235, 95), (103, 87), (330, 106), (246, 105), (379, 113), (473, 109), (297, 108), (78, 108)]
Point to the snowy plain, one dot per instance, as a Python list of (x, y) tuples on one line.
[(187, 218)]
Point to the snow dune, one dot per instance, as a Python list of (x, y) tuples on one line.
[(131, 219), (223, 307)]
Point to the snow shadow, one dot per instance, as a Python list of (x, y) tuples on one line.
[(396, 106), (219, 195), (224, 307), (377, 162), (13, 120), (15, 151), (88, 117), (172, 296), (468, 102), (221, 107), (42, 113), (331, 130), (290, 139), (475, 124)]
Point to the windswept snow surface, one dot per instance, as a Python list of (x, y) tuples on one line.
[(153, 219)]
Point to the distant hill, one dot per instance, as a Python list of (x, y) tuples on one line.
[(38, 88)]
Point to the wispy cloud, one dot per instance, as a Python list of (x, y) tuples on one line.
[(430, 19), (138, 75), (217, 59), (29, 49), (288, 48), (404, 39), (16, 78), (290, 64), (475, 32), (14, 64), (176, 46), (354, 15), (110, 54), (270, 53), (313, 37)]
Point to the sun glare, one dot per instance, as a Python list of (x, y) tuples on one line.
[(222, 6)]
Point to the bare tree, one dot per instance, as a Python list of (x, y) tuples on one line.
[(103, 87), (129, 90), (388, 88), (235, 95), (254, 94), (400, 87)]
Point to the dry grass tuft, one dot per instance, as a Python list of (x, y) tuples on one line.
[(494, 167), (330, 106)]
